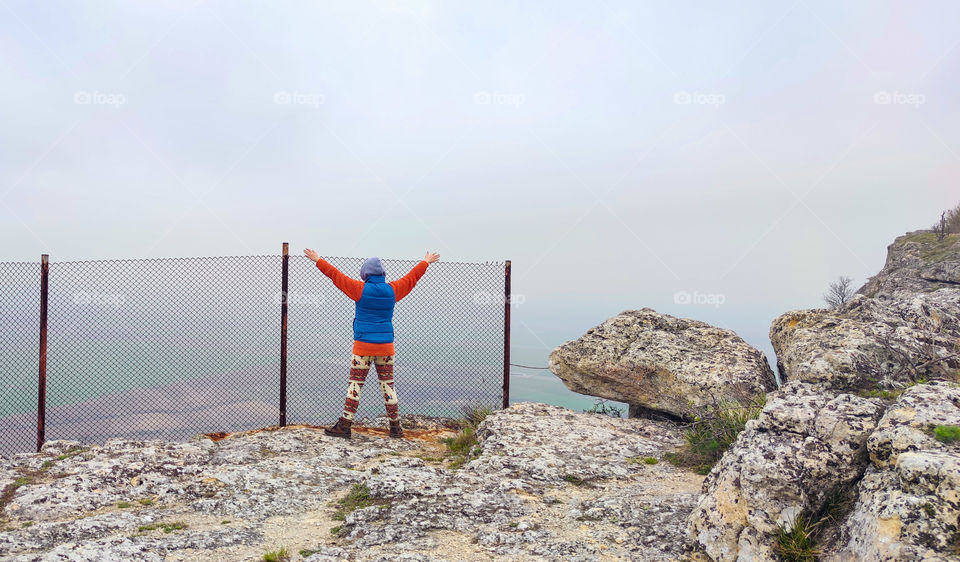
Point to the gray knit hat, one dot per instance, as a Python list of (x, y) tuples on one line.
[(372, 266)]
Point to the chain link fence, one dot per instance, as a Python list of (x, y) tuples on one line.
[(19, 344), (169, 348)]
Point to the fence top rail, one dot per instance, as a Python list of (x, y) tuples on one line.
[(188, 258)]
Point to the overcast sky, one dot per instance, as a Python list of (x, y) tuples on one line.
[(744, 154)]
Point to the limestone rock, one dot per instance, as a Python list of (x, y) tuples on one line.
[(871, 343), (544, 483), (917, 262), (672, 365), (908, 502), (805, 445), (903, 325)]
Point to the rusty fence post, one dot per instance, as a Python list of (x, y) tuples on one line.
[(506, 336), (42, 375), (283, 335)]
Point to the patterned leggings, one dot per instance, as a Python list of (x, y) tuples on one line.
[(359, 367)]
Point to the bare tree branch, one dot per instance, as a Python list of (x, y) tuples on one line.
[(839, 292)]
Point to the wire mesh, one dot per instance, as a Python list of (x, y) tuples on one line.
[(19, 351), (164, 348), (169, 348)]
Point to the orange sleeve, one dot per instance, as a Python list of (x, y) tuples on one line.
[(403, 286), (350, 287)]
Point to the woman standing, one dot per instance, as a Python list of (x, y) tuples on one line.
[(372, 331)]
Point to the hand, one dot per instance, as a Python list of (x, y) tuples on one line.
[(311, 254), (430, 258)]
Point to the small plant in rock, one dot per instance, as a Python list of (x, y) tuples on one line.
[(282, 555), (165, 527), (796, 543), (123, 505), (357, 498), (465, 447), (947, 433), (474, 414), (601, 407), (575, 480), (145, 501), (713, 433), (881, 393), (72, 453)]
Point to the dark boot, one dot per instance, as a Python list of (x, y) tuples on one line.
[(396, 430), (340, 429)]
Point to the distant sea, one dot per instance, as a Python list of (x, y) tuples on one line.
[(544, 386)]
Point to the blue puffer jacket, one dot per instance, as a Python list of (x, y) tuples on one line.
[(373, 313)]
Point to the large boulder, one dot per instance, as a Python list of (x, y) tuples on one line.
[(908, 502), (658, 362), (871, 344), (902, 327), (806, 447)]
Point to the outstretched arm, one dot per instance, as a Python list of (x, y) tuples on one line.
[(403, 286), (353, 288)]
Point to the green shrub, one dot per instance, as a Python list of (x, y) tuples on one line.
[(465, 447), (796, 544), (575, 480), (165, 527), (601, 407), (474, 414), (282, 555), (357, 498), (713, 433), (947, 433)]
